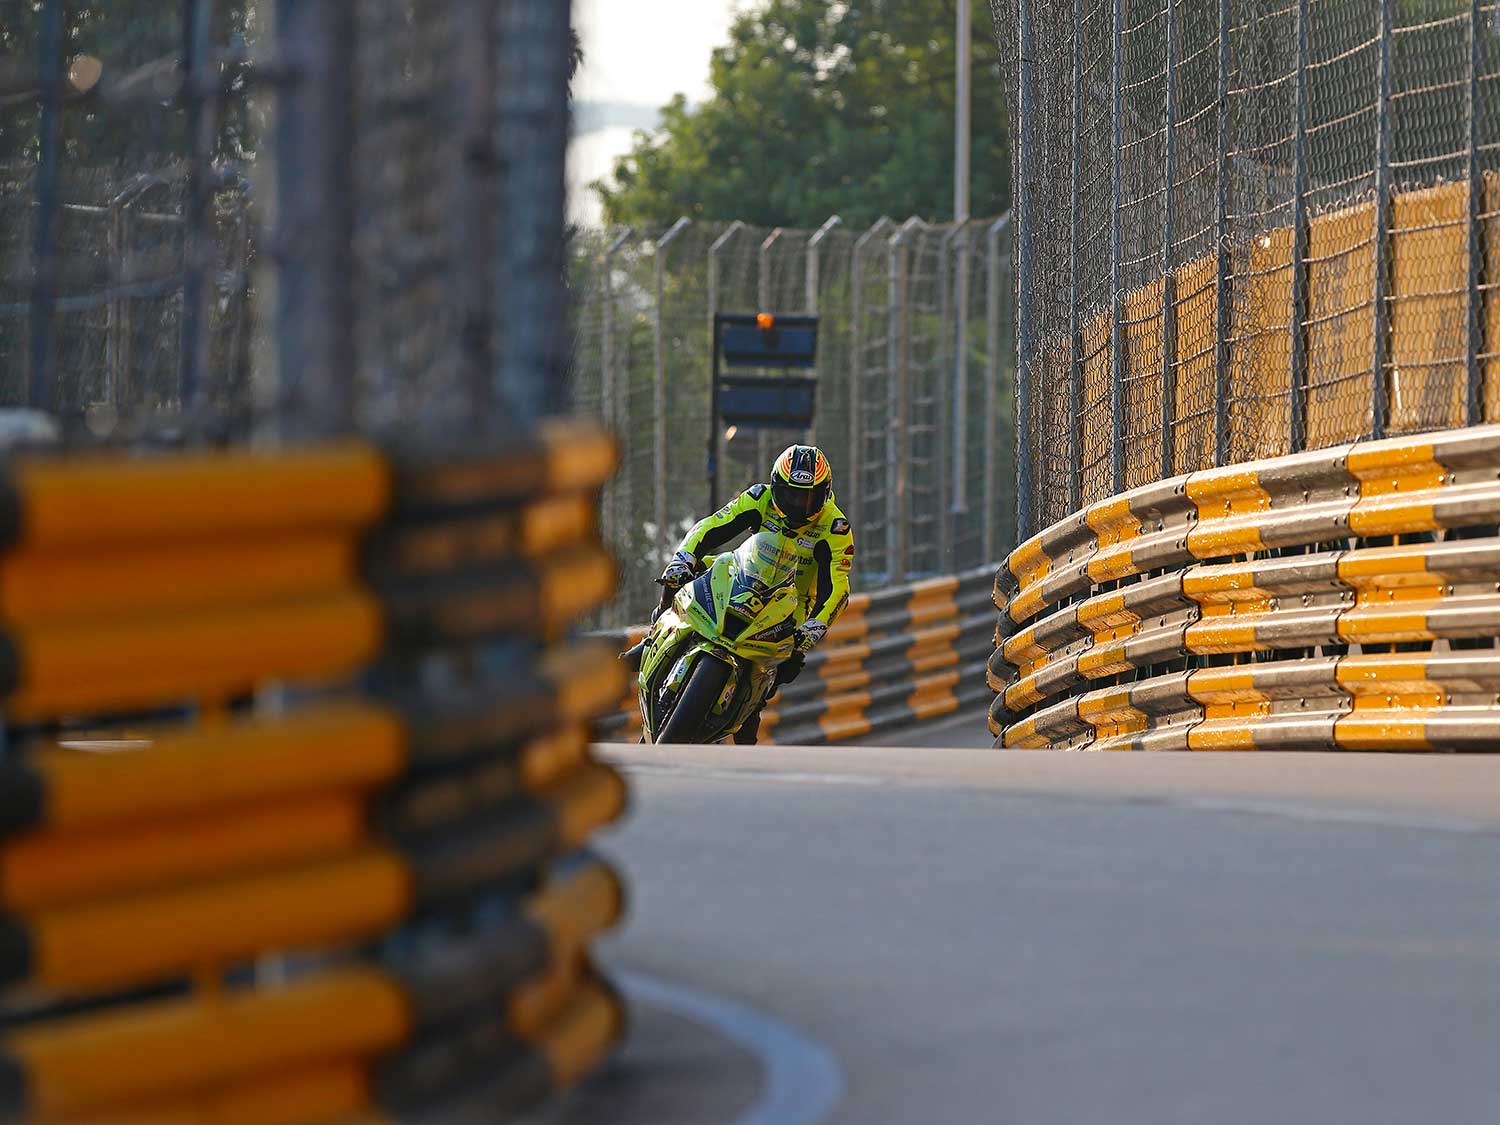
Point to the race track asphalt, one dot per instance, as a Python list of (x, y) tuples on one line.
[(927, 935)]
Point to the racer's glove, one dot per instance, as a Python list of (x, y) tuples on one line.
[(680, 571), (809, 636), (790, 668)]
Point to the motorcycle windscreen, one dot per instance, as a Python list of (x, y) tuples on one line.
[(763, 563)]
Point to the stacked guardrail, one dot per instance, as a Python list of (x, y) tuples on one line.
[(895, 657), (378, 777), (1338, 600)]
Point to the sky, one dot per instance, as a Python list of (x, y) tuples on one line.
[(640, 52)]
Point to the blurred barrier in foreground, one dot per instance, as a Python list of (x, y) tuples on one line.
[(1345, 599), (377, 775), (895, 657)]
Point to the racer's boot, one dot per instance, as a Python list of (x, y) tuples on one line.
[(750, 730), (633, 655)]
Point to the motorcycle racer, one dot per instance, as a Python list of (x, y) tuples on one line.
[(798, 503)]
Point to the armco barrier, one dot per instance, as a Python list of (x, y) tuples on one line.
[(895, 657), (1343, 599), (404, 821)]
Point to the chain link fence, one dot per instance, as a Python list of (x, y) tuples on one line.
[(1247, 228), (222, 219), (916, 437)]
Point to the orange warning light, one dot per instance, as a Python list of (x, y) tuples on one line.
[(766, 322)]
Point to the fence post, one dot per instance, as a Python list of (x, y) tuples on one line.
[(1222, 311), (763, 287), (1379, 389), (1116, 254), (1474, 303), (857, 367), (200, 92), (315, 190), (959, 444), (1025, 224), (942, 388), (815, 263), (715, 434), (1300, 243), (611, 500), (898, 434), (1169, 260), (535, 57), (813, 279), (475, 235), (992, 382), (659, 400), (50, 47), (1075, 234), (115, 311)]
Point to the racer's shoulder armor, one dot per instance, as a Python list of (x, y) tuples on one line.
[(833, 522), (756, 491)]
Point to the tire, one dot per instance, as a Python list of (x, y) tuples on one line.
[(705, 684)]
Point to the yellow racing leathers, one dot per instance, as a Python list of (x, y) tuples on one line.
[(825, 553)]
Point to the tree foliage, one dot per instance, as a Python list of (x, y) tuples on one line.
[(821, 107)]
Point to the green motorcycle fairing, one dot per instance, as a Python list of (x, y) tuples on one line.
[(741, 610)]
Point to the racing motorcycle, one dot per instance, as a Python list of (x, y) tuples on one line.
[(712, 653)]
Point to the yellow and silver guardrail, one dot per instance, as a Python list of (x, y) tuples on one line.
[(402, 822), (1340, 599)]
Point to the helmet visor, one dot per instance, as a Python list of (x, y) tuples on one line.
[(799, 505)]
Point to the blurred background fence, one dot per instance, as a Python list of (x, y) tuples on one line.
[(920, 442), (1245, 229), (218, 216)]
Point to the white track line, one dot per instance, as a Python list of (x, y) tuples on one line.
[(803, 1081)]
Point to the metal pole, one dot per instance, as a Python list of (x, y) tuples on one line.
[(50, 47), (815, 263), (475, 242), (992, 384), (1116, 254), (1075, 239), (963, 145), (1169, 259), (607, 404), (535, 57), (1474, 396), (763, 439), (1379, 388), (764, 275), (315, 189), (715, 433), (811, 299), (1222, 319), (1300, 234), (115, 313), (960, 443), (963, 98), (659, 405), (898, 434), (716, 436), (942, 452), (1025, 223), (857, 366), (202, 96)]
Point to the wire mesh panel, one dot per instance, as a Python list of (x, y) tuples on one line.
[(1251, 227), (124, 259), (887, 376)]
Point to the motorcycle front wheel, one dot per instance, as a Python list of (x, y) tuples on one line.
[(695, 705)]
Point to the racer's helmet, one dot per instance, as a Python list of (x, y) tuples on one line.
[(801, 483)]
